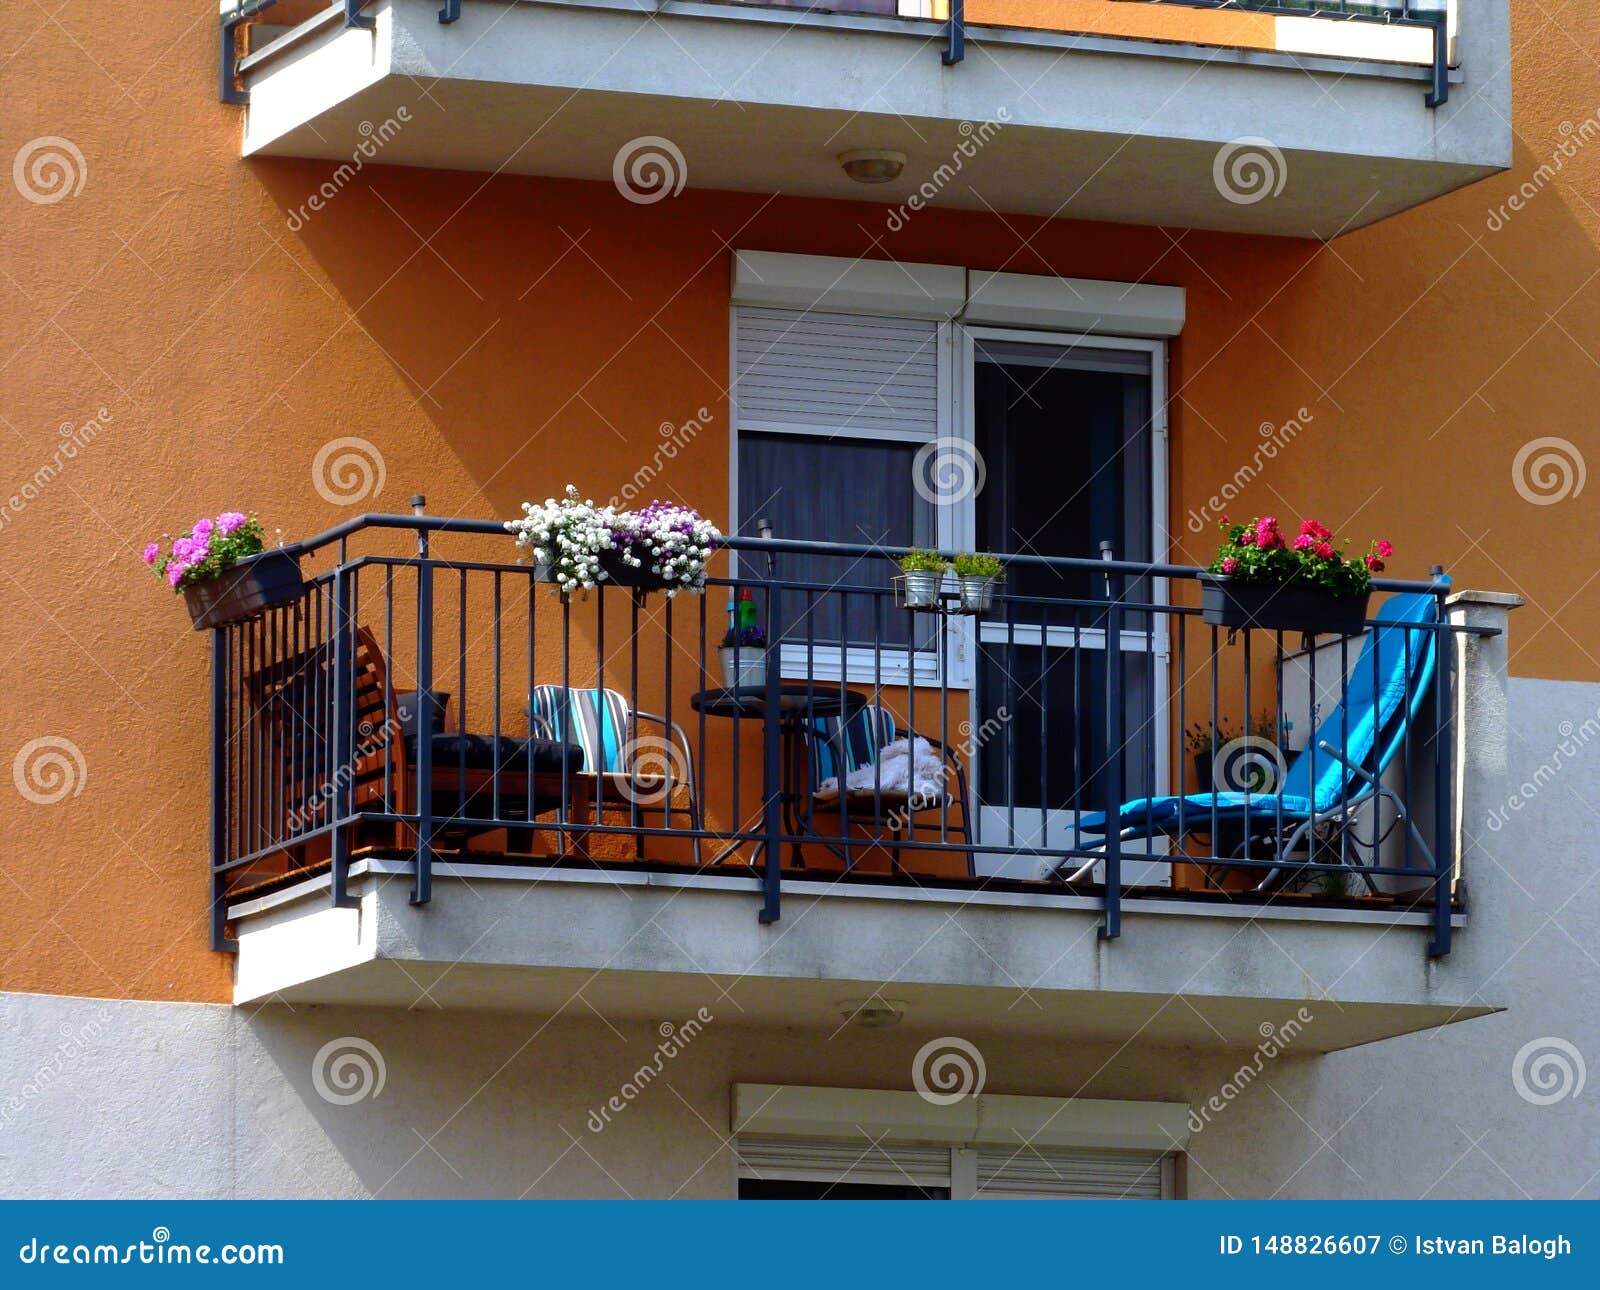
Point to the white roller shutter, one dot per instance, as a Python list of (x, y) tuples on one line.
[(887, 1164), (1070, 1172), (822, 372)]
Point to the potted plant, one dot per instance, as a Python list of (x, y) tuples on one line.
[(224, 572), (578, 545), (743, 655), (977, 574), (921, 576), (1305, 584)]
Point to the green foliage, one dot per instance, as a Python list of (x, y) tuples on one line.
[(915, 561), (977, 564)]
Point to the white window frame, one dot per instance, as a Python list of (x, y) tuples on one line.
[(959, 1177), (890, 665)]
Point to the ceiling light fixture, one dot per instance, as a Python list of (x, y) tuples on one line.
[(872, 1014), (872, 165)]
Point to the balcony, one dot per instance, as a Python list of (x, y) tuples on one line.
[(436, 782), (1257, 119)]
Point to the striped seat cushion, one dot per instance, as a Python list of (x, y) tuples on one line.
[(596, 720), (855, 741)]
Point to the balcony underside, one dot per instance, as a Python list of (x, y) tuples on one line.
[(651, 945), (763, 101)]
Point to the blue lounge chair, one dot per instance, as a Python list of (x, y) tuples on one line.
[(1355, 743)]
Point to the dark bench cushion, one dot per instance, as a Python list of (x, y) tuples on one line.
[(484, 752)]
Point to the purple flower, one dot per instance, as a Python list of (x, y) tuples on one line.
[(175, 571), (151, 552), (202, 531), (229, 521), (183, 548)]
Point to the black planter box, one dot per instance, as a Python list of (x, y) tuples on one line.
[(618, 573), (245, 590), (1280, 606)]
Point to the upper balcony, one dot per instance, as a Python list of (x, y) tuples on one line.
[(1252, 117), (437, 782)]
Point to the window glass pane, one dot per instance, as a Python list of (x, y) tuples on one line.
[(814, 488), (1068, 456)]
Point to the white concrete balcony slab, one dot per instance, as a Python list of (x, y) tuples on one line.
[(763, 99), (545, 941)]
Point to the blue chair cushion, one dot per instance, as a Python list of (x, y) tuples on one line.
[(1161, 813)]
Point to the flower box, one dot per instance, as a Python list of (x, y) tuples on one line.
[(1301, 607), (244, 591)]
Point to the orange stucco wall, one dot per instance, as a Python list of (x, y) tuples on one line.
[(1119, 18), (496, 338)]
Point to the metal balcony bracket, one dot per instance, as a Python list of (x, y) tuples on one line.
[(451, 11), (353, 16), (1439, 92), (956, 45), (228, 90)]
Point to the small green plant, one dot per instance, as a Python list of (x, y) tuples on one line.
[(977, 564), (915, 561)]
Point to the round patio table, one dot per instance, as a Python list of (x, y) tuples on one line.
[(800, 703)]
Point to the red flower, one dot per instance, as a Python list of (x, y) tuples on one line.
[(1385, 549), (1324, 550), (1374, 564)]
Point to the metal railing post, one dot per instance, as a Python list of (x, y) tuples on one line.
[(220, 785), (1112, 768), (422, 888), (772, 757), (1444, 861), (343, 768), (956, 34), (1439, 91)]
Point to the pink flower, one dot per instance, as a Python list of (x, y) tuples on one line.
[(1304, 541), (182, 549), (1230, 565), (175, 571), (202, 531), (1247, 538), (229, 521), (151, 552), (1386, 549), (1324, 550)]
